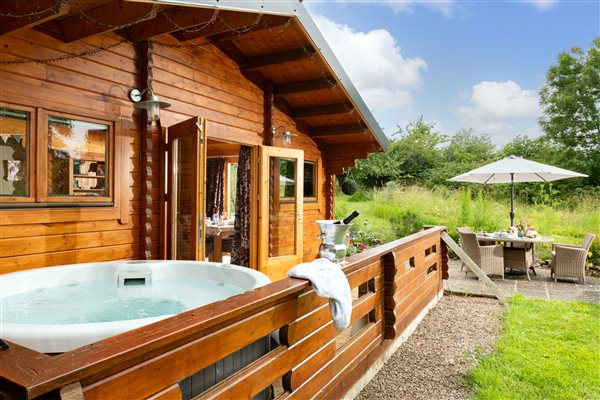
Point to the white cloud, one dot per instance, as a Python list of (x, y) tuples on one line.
[(542, 5), (376, 66), (502, 110)]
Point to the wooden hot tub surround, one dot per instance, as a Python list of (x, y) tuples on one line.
[(396, 282)]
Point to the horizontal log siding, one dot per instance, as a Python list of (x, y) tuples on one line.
[(94, 86), (200, 81), (147, 363)]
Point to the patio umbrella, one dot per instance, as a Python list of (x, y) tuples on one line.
[(515, 169)]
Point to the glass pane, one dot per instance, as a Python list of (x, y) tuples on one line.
[(310, 179), (282, 214), (14, 153), (232, 185), (77, 158), (183, 195)]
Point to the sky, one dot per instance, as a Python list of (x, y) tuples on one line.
[(460, 64)]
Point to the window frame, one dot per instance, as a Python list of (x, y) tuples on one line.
[(42, 157), (31, 151), (26, 210), (315, 198)]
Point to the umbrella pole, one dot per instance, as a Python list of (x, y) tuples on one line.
[(512, 199)]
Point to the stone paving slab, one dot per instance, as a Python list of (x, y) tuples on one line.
[(515, 282)]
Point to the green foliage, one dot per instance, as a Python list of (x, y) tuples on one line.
[(570, 102), (547, 350), (363, 236), (359, 196), (394, 212), (409, 159)]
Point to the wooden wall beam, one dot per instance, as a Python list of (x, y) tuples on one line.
[(268, 115), (304, 86), (78, 26), (268, 60), (327, 109), (40, 10), (337, 130), (170, 20)]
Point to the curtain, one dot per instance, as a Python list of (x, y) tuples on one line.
[(215, 189), (241, 238)]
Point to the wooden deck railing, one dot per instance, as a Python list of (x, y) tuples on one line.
[(393, 283)]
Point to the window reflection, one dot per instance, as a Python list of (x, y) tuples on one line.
[(14, 157), (77, 158)]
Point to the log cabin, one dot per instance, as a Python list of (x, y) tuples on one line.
[(250, 78), (129, 128)]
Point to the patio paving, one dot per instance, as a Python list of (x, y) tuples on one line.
[(515, 282)]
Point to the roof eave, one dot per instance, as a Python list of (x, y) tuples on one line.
[(295, 8)]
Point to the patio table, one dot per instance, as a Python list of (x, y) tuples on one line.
[(511, 241), (218, 233)]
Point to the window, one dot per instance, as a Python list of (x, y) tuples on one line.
[(15, 143), (310, 180), (73, 157)]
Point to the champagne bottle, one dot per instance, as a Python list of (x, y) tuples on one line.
[(349, 218)]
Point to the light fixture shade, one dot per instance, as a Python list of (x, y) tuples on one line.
[(287, 136), (152, 105)]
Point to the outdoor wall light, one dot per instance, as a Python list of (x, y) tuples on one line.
[(152, 105), (286, 137)]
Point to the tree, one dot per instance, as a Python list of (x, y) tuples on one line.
[(418, 151), (467, 147), (571, 103)]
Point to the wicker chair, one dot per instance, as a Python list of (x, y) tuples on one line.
[(569, 261), (489, 258), (519, 258)]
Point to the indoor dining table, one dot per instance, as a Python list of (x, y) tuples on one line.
[(516, 243), (218, 233)]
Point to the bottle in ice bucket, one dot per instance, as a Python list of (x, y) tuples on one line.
[(335, 235)]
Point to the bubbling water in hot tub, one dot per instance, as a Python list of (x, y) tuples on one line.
[(57, 309)]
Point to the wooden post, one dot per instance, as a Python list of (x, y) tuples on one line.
[(389, 287), (146, 176), (473, 267), (268, 114)]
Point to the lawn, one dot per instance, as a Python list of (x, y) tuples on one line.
[(547, 350)]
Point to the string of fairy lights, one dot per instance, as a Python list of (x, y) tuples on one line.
[(149, 15)]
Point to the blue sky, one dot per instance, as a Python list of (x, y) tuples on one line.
[(475, 64)]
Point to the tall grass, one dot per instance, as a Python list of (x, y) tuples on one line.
[(398, 211)]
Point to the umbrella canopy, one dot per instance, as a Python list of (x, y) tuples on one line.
[(515, 169)]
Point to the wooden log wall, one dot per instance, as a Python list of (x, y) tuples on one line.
[(397, 282), (94, 86), (196, 81)]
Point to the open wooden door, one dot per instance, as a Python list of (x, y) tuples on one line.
[(280, 210), (186, 180)]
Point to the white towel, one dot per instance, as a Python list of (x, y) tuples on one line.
[(329, 281)]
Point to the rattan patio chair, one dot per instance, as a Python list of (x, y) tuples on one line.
[(489, 258), (519, 258), (568, 261)]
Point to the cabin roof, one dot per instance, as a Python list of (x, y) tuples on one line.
[(276, 44)]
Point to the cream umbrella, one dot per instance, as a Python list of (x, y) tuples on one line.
[(515, 169)]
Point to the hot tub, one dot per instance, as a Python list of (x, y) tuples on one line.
[(57, 309)]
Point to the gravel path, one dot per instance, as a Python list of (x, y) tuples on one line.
[(432, 362)]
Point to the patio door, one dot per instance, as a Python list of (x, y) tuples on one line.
[(280, 210), (186, 180)]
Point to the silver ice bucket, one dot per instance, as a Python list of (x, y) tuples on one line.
[(335, 239)]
